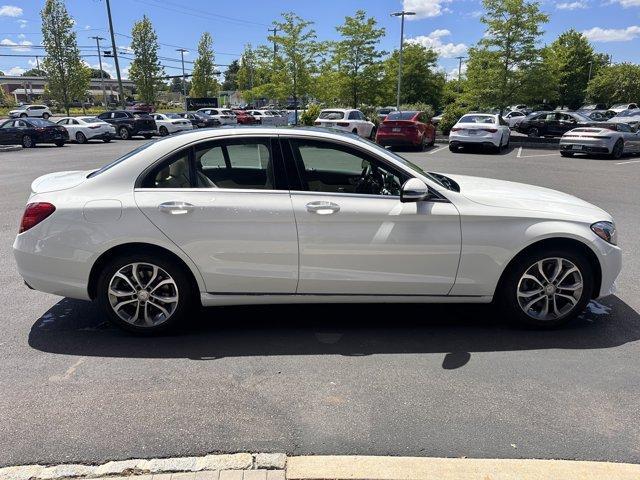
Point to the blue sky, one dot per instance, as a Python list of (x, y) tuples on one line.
[(449, 26)]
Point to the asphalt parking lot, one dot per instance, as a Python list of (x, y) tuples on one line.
[(425, 380)]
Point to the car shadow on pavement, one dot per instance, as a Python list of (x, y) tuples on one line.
[(75, 327)]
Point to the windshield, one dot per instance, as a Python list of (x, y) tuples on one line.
[(581, 117), (121, 159), (401, 115), (40, 123), (331, 115), (477, 119), (172, 115)]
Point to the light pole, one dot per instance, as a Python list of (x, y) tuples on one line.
[(104, 92), (115, 55), (400, 14), (184, 81)]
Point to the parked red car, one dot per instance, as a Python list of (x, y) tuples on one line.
[(408, 129), (139, 107), (245, 118)]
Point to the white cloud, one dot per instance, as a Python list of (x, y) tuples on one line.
[(15, 71), (22, 23), (598, 34), (571, 5), (627, 3), (424, 8), (476, 14), (453, 73), (434, 41), (22, 46), (125, 49), (87, 27), (10, 11)]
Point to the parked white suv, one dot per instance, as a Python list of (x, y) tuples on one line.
[(348, 120), (223, 115), (41, 111)]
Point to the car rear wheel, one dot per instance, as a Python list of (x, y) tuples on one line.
[(145, 294), (163, 131), (533, 132), (23, 115), (81, 138), (372, 135), (148, 136), (27, 142), (546, 288), (566, 154), (106, 140), (453, 148), (618, 149), (46, 116), (59, 144), (124, 133)]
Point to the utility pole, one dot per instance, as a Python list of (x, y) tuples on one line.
[(104, 92), (37, 62), (115, 55), (590, 69), (402, 15), (275, 46), (460, 72), (184, 82)]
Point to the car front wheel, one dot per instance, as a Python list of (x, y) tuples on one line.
[(547, 288), (145, 294), (124, 133)]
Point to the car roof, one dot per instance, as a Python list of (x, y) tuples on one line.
[(344, 110)]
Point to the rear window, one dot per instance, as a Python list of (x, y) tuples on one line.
[(121, 159), (90, 119), (331, 115), (172, 115), (477, 119), (401, 115)]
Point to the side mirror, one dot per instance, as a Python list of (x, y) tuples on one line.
[(414, 190)]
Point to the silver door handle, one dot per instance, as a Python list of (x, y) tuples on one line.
[(176, 208), (323, 208)]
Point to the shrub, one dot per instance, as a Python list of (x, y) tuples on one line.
[(420, 107), (450, 117), (310, 114)]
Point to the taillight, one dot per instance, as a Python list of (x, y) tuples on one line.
[(490, 130), (94, 127), (342, 124), (34, 213), (317, 123), (455, 129)]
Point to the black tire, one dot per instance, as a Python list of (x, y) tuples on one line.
[(372, 135), (81, 138), (433, 140), (185, 292), (566, 154), (506, 293), (124, 133), (148, 136), (59, 144), (106, 140), (162, 131), (23, 115), (533, 133), (618, 150), (354, 131), (453, 148), (28, 142), (46, 116)]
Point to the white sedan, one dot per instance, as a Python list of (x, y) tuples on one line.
[(82, 129), (348, 120), (167, 123), (227, 217), (223, 115), (480, 129), (514, 117), (611, 139)]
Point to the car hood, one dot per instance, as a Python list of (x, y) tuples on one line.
[(520, 196)]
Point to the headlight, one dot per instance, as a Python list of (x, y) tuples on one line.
[(606, 231)]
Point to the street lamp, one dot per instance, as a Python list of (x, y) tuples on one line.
[(400, 14)]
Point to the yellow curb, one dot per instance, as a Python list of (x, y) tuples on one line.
[(416, 468)]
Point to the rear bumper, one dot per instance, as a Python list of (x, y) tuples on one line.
[(397, 141), (570, 147), (480, 140)]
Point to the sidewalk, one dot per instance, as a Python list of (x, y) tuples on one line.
[(274, 466)]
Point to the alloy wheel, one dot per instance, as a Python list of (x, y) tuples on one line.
[(27, 141), (550, 289), (143, 294)]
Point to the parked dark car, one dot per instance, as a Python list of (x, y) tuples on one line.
[(552, 124), (129, 125), (592, 106), (30, 131), (406, 128), (200, 120)]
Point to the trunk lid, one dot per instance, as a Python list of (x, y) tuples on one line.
[(59, 181)]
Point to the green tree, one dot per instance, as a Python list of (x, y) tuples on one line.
[(145, 69), (175, 85), (568, 59), (498, 64), (35, 72), (421, 82), (230, 76), (95, 73), (203, 81), (68, 77), (357, 57), (615, 84), (299, 50)]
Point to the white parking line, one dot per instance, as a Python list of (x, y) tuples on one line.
[(630, 161), (519, 153), (437, 150)]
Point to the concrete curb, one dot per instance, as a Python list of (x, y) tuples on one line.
[(10, 148), (412, 468), (547, 144), (259, 464)]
